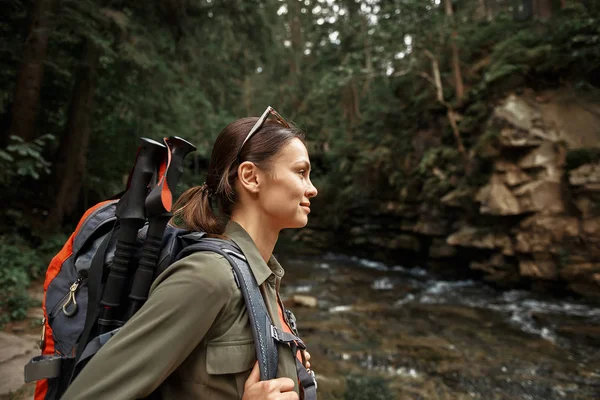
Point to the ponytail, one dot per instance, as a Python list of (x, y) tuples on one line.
[(193, 211)]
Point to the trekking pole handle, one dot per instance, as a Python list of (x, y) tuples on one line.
[(131, 217), (158, 210), (131, 205), (180, 148)]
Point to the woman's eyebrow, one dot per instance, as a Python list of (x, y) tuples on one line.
[(305, 163)]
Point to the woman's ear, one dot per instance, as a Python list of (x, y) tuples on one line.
[(248, 176)]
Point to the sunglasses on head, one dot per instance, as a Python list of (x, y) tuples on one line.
[(261, 121)]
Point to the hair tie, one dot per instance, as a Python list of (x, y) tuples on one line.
[(209, 191)]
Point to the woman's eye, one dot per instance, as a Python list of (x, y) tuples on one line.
[(302, 171)]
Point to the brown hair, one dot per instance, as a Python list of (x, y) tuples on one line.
[(193, 209)]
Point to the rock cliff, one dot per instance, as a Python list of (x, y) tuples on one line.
[(535, 220)]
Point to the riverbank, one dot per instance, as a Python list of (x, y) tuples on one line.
[(400, 333), (429, 338), (524, 214)]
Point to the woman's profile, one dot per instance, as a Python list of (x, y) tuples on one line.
[(192, 338)]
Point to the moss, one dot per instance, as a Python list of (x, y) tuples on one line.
[(487, 143)]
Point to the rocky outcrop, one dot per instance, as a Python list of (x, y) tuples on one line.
[(556, 234), (535, 219)]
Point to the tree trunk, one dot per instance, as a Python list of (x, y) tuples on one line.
[(480, 11), (71, 158), (31, 74), (542, 9), (458, 81), (452, 115)]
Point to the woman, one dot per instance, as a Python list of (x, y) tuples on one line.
[(192, 338)]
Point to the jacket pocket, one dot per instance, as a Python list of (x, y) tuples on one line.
[(230, 357)]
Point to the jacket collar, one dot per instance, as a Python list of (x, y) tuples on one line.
[(261, 270)]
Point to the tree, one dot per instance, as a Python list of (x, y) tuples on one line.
[(458, 80), (542, 9), (31, 74), (71, 157)]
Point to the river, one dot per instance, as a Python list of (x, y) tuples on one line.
[(383, 332)]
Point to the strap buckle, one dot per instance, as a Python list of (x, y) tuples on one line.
[(275, 333), (313, 376)]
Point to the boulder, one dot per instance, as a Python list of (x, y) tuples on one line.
[(586, 177), (540, 233), (494, 264), (573, 117), (559, 225), (497, 199), (304, 300), (482, 266), (473, 237), (591, 226), (547, 154), (517, 112), (587, 205), (515, 176), (545, 269), (583, 271), (510, 173), (541, 196), (515, 138)]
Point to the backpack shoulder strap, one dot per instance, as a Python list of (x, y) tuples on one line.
[(260, 321)]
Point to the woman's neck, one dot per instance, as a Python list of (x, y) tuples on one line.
[(263, 236)]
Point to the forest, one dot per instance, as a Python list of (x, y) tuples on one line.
[(392, 94), (462, 136)]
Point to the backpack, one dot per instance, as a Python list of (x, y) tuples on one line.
[(88, 295)]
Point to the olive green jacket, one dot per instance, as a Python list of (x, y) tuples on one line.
[(192, 339)]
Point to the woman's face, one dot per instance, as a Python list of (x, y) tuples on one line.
[(285, 197)]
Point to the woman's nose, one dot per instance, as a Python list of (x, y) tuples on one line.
[(312, 191)]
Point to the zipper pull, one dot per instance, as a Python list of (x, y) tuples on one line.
[(42, 342), (71, 299)]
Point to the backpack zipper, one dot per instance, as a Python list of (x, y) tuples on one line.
[(42, 341), (67, 300)]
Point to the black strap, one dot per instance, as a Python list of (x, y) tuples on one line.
[(95, 344), (260, 321), (307, 380), (43, 367), (307, 377), (287, 338), (265, 333)]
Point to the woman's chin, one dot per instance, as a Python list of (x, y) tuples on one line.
[(300, 222)]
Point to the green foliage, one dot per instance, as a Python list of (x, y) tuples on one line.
[(18, 264), (367, 388), (359, 83), (24, 159), (446, 158)]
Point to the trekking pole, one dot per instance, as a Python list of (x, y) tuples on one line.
[(159, 204), (131, 217)]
